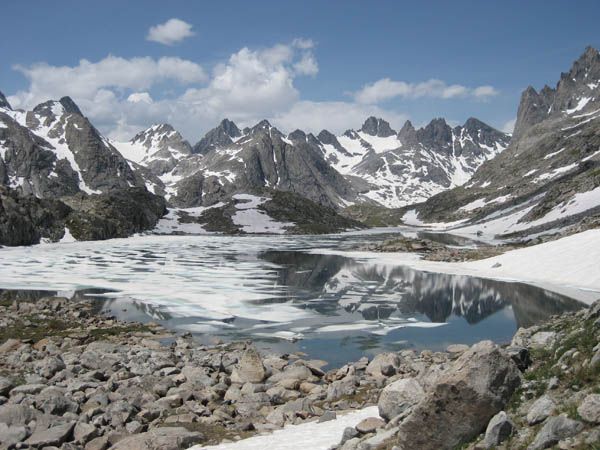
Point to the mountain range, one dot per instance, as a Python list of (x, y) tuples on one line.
[(470, 174)]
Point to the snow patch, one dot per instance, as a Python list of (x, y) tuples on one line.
[(580, 105), (254, 220), (311, 435)]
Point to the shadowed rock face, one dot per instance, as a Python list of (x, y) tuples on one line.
[(25, 220), (4, 102), (377, 127)]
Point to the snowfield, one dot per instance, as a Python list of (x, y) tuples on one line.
[(254, 220), (311, 435)]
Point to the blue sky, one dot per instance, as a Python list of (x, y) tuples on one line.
[(310, 64)]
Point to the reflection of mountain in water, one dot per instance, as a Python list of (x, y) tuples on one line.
[(377, 291)]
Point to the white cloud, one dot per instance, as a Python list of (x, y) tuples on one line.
[(137, 97), (485, 91), (84, 80), (122, 96), (509, 126), (336, 117), (170, 32), (386, 89), (304, 44), (307, 65)]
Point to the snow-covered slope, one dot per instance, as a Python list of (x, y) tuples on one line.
[(159, 148), (412, 165)]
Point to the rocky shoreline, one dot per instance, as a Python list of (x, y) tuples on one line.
[(71, 379), (435, 251)]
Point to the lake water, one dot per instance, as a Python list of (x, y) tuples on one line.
[(282, 293)]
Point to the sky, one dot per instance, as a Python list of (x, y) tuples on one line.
[(311, 65)]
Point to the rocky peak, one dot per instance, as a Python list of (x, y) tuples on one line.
[(162, 136), (436, 134), (297, 135), (54, 109), (221, 136), (230, 128), (377, 127), (533, 108), (261, 126), (154, 130), (4, 102), (70, 106), (575, 89), (407, 134), (327, 137)]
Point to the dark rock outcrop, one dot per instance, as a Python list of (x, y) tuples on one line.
[(115, 214), (377, 127), (25, 220)]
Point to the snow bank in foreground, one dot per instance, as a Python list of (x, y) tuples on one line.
[(569, 265), (312, 435)]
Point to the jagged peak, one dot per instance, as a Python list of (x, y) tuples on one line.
[(4, 102), (70, 106), (376, 126), (326, 137), (230, 128), (154, 129), (437, 132), (262, 125), (407, 134), (56, 108), (474, 124), (590, 54), (297, 135), (407, 127)]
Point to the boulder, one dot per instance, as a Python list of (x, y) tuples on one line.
[(163, 438), (17, 415), (250, 368), (382, 363), (398, 396), (369, 425), (6, 385), (84, 432), (49, 366), (55, 435), (296, 373), (589, 410), (498, 430), (555, 429), (478, 384), (342, 388), (543, 339), (9, 436), (540, 410)]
